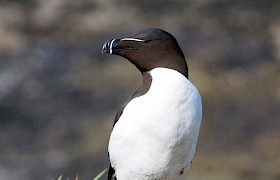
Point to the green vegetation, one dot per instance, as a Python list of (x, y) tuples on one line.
[(97, 177), (101, 174)]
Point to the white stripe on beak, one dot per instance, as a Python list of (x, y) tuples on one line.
[(111, 46), (132, 39)]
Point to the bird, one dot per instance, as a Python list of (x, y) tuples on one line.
[(155, 132)]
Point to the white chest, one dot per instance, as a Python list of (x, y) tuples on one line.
[(156, 135)]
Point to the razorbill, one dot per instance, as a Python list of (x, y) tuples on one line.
[(155, 132)]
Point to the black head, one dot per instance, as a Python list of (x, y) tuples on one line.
[(149, 49)]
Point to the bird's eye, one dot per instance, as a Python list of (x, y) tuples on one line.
[(152, 40), (147, 41)]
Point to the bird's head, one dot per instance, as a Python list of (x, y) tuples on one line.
[(149, 49)]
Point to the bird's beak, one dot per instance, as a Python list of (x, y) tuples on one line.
[(115, 45), (109, 46)]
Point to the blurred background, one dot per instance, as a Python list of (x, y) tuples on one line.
[(59, 94)]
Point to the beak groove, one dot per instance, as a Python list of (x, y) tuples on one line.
[(108, 46)]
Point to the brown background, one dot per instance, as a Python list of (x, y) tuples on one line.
[(59, 94)]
